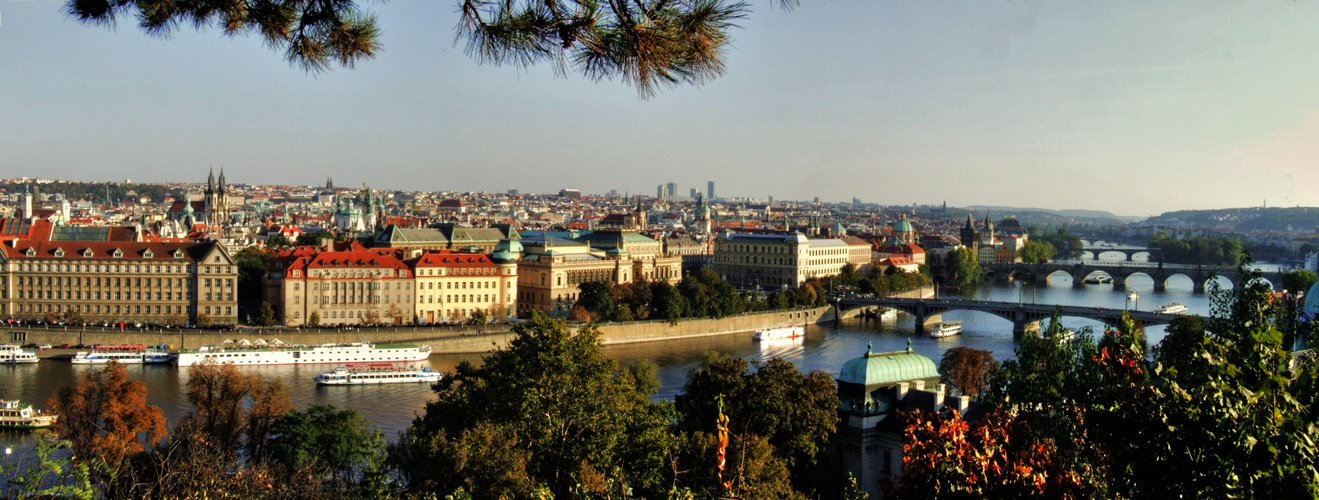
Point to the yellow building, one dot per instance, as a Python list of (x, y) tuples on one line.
[(351, 287), (784, 260), (552, 266), (119, 281), (452, 286)]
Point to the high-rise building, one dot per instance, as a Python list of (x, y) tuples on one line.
[(693, 193), (709, 190), (659, 192), (672, 190)]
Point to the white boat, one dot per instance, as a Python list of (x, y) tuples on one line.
[(376, 374), (947, 329), (16, 415), (128, 357), (363, 352), (12, 355), (782, 332), (1173, 308)]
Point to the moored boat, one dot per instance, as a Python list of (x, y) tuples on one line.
[(376, 374), (127, 356), (782, 332), (13, 355), (946, 329), (363, 352), (16, 415)]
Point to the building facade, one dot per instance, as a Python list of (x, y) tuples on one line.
[(352, 287), (453, 286), (119, 281), (771, 261)]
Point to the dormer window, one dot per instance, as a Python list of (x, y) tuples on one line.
[(87, 253), (59, 252), (118, 254), (31, 252), (147, 254), (178, 253)]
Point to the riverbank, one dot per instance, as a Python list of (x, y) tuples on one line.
[(443, 340)]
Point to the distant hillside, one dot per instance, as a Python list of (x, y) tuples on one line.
[(1052, 217), (1245, 219)]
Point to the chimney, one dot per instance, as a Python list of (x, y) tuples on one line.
[(939, 392), (903, 387), (962, 403), (919, 385)]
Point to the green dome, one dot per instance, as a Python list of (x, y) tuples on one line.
[(903, 226), (887, 368), (1312, 299), (503, 256)]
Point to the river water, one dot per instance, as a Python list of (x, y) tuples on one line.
[(825, 347)]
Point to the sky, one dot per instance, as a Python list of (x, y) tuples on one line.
[(1131, 107)]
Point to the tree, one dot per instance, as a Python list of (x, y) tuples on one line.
[(265, 315), (314, 239), (325, 438), (1037, 252), (795, 412), (1299, 280), (963, 268), (649, 44), (278, 241), (204, 320), (103, 414), (479, 317), (251, 262), (233, 410), (314, 319), (554, 398), (966, 369), (848, 275), (72, 316), (597, 299)]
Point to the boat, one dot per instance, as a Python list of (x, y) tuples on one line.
[(782, 332), (947, 329), (882, 314), (1173, 308), (360, 352), (1098, 280), (122, 356), (16, 415), (13, 355), (371, 374)]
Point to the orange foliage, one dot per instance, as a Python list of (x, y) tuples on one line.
[(103, 415)]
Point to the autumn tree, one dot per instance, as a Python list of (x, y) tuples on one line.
[(103, 415), (232, 410), (649, 44), (966, 369), (265, 315)]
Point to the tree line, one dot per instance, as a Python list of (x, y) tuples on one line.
[(1198, 250), (706, 295)]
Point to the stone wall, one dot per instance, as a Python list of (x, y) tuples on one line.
[(441, 340)]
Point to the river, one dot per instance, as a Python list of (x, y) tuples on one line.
[(825, 347)]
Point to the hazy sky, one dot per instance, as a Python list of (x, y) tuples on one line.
[(1132, 107)]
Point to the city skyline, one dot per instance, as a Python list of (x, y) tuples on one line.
[(1006, 103)]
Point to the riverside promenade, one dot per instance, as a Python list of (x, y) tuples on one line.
[(442, 339)]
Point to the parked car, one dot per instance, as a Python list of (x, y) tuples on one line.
[(43, 346)]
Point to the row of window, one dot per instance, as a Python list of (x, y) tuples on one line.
[(119, 268), (459, 285), (116, 309), (430, 299)]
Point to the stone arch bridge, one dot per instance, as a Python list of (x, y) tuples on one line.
[(1038, 274), (1024, 317)]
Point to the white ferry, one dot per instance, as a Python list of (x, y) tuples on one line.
[(947, 329), (377, 374), (16, 415), (12, 355), (363, 352), (782, 332), (128, 357), (1173, 308)]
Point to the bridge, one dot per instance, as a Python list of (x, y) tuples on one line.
[(1038, 274), (1128, 252), (1024, 317)]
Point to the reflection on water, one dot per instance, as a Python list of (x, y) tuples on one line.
[(825, 347)]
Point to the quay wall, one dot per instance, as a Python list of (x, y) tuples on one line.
[(443, 340)]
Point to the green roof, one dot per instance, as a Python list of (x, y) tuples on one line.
[(887, 368)]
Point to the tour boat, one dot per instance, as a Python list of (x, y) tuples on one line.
[(376, 374), (1173, 308), (363, 352), (782, 332), (132, 356), (16, 415), (947, 329), (12, 355)]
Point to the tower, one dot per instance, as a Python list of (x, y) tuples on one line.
[(27, 202), (709, 190), (970, 237)]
